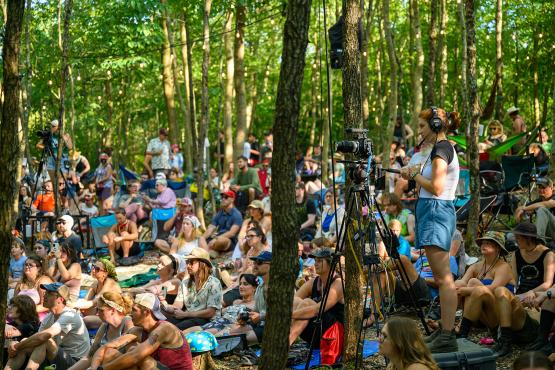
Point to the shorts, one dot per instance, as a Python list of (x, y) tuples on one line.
[(528, 333), (421, 292), (104, 193), (435, 223), (316, 331), (134, 251), (258, 331), (63, 360)]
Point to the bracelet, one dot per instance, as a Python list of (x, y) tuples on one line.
[(548, 294)]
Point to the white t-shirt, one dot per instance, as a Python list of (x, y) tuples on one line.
[(444, 150), (73, 337)]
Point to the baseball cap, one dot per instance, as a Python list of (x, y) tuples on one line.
[(545, 182), (322, 253), (263, 257), (161, 181), (229, 194), (256, 204), (151, 302), (185, 201), (57, 287), (54, 123)]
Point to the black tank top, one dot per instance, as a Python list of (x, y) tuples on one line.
[(530, 275), (316, 295)]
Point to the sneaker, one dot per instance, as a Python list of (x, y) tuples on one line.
[(445, 341), (502, 348), (431, 337)]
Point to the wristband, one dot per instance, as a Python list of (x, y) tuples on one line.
[(548, 294)]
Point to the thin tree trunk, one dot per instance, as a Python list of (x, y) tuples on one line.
[(352, 116), (473, 159), (108, 132), (465, 108), (275, 344), (27, 92), (552, 156), (192, 105), (546, 93), (314, 94), (239, 79), (366, 33), (10, 149), (205, 111), (168, 82), (228, 91), (4, 11), (253, 100), (188, 137), (417, 63), (442, 47), (536, 82), (432, 50), (499, 111), (72, 104)]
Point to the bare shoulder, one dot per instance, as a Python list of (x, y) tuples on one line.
[(417, 367)]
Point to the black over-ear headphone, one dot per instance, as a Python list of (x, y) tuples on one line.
[(436, 124)]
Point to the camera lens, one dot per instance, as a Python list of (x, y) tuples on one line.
[(346, 146)]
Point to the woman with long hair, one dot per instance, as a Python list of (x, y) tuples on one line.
[(33, 277), (255, 243), (437, 179), (199, 298), (402, 343), (23, 320), (105, 280), (189, 238), (166, 286), (42, 249), (64, 267), (495, 136), (113, 309), (255, 212), (332, 216)]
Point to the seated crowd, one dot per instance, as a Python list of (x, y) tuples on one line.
[(215, 278)]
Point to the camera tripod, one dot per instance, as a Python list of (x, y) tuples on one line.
[(361, 235)]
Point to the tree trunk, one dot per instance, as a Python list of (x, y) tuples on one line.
[(315, 97), (432, 45), (28, 82), (499, 111), (275, 344), (205, 111), (473, 159), (250, 111), (168, 83), (189, 123), (10, 150), (366, 32), (352, 117), (192, 104), (465, 108), (239, 79), (442, 47), (536, 82), (552, 156), (108, 132), (228, 91), (417, 63)]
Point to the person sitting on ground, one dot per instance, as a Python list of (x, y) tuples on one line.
[(222, 325), (122, 237), (495, 136), (189, 237), (199, 298), (105, 280), (160, 344), (305, 211), (245, 184), (33, 277), (221, 235), (332, 217), (165, 199), (113, 309), (88, 208), (541, 158), (185, 208), (64, 267), (65, 235), (394, 209), (533, 266), (308, 300), (227, 176), (543, 207), (254, 327), (237, 256), (402, 343), (545, 142), (22, 318), (404, 247), (167, 285), (62, 339), (255, 243), (478, 284), (133, 203), (256, 213), (42, 249), (17, 262)]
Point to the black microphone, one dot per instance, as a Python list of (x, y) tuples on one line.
[(392, 170)]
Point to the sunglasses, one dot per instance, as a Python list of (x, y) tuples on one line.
[(260, 262), (29, 265), (60, 222), (97, 269), (251, 236)]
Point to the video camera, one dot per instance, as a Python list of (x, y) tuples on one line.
[(361, 146), (44, 134)]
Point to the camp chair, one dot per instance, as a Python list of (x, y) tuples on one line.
[(485, 205), (517, 171), (99, 227), (158, 217), (462, 194)]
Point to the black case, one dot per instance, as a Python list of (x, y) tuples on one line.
[(471, 356)]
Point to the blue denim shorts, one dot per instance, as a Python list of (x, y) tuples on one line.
[(435, 223)]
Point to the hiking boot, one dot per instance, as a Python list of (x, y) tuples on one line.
[(431, 337), (502, 348), (445, 341)]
